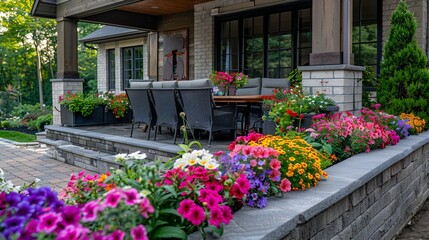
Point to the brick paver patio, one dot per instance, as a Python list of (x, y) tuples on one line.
[(23, 165)]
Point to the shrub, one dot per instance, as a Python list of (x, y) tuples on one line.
[(40, 122), (404, 78), (24, 109), (8, 100), (80, 102), (13, 122)]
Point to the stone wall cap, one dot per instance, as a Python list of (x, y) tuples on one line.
[(331, 67)]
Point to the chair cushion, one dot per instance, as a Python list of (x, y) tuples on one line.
[(140, 84), (157, 84), (268, 84), (253, 87), (199, 83), (169, 84)]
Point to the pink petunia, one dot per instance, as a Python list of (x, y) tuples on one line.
[(253, 163), (117, 235), (275, 164), (131, 196), (243, 183), (285, 185), (212, 201), (70, 215), (90, 211), (48, 222), (214, 186), (113, 198), (216, 216), (227, 214), (185, 206), (73, 232), (139, 233), (236, 192), (196, 215), (146, 208)]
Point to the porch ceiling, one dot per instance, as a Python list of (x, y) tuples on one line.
[(162, 7)]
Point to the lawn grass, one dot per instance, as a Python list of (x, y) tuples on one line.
[(17, 136)]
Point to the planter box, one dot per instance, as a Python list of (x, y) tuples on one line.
[(305, 122), (268, 127), (109, 118), (71, 119)]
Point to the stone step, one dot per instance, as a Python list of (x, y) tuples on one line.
[(79, 156)]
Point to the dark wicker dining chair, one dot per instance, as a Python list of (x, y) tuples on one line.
[(202, 114), (164, 100), (142, 106)]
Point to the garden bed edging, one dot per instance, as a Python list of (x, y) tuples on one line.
[(368, 196)]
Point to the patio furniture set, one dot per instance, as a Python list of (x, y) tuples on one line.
[(158, 104)]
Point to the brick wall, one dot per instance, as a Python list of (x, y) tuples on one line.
[(60, 87), (419, 8), (102, 61)]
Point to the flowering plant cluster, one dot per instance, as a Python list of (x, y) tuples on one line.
[(349, 135), (300, 163), (224, 78), (23, 214), (288, 106), (7, 186), (83, 187), (416, 123), (207, 195), (118, 104), (262, 169), (80, 102)]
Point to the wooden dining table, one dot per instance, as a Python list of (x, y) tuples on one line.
[(246, 100)]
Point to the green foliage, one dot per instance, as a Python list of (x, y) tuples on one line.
[(24, 109), (8, 100), (369, 79), (295, 78), (40, 122), (12, 122), (17, 136), (83, 103), (404, 78)]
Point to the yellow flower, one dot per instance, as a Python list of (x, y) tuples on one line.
[(301, 171), (291, 159)]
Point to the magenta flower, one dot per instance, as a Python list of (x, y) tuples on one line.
[(146, 208), (185, 206), (285, 185), (213, 201), (131, 196), (275, 164), (48, 222), (196, 215), (113, 198), (139, 233), (117, 235), (70, 215), (73, 232), (243, 184), (227, 214), (216, 216), (90, 211), (214, 186)]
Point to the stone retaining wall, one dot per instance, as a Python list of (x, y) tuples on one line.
[(369, 196)]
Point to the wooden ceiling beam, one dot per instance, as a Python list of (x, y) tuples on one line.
[(83, 8), (124, 19)]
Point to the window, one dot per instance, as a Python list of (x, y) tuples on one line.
[(366, 33), (268, 45), (132, 60), (111, 69)]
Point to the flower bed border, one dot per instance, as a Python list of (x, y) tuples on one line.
[(368, 196)]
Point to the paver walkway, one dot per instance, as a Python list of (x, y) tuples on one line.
[(23, 165)]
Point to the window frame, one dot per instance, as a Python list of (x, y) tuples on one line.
[(111, 69), (125, 82), (293, 8)]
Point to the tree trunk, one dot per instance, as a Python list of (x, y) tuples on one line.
[(39, 77)]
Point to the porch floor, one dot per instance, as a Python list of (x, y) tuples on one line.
[(220, 141)]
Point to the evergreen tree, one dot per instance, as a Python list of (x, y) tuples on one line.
[(404, 78)]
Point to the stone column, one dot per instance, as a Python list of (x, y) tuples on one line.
[(67, 69), (326, 39), (328, 73), (338, 82)]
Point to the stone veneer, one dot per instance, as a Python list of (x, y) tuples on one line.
[(60, 87), (339, 82), (368, 196)]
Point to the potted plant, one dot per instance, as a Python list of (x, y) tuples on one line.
[(224, 80), (79, 109), (117, 109), (290, 108)]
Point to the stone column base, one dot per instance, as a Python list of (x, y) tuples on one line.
[(338, 82), (60, 87)]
